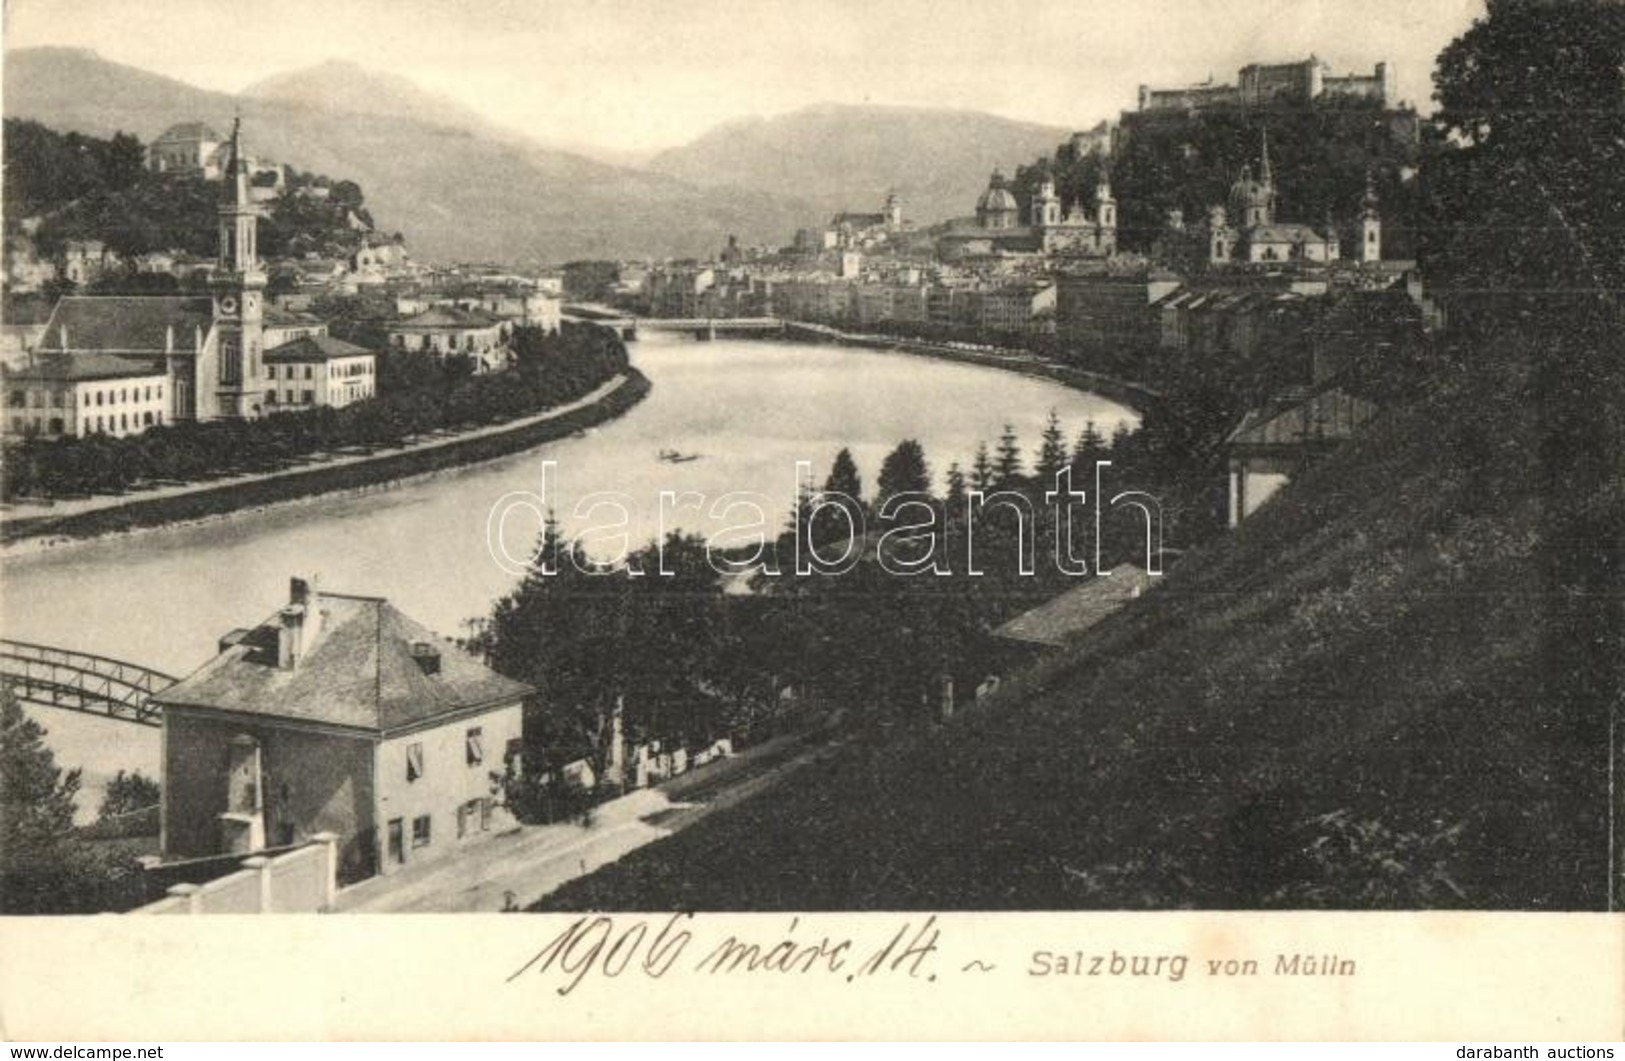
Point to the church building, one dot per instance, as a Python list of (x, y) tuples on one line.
[(1248, 232), (209, 350), (1053, 228)]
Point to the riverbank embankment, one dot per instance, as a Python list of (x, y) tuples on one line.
[(38, 525)]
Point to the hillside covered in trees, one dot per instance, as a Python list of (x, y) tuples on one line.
[(90, 188), (1168, 160)]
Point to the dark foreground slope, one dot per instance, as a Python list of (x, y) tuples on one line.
[(1390, 688)]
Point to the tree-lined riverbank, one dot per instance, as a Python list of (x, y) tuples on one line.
[(431, 415), (189, 504)]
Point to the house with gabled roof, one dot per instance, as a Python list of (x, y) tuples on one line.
[(317, 370), (338, 713), (450, 330), (1273, 442)]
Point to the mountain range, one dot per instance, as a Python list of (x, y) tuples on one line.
[(462, 187)]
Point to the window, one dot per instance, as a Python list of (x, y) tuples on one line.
[(309, 397), (56, 425), (475, 814), (475, 746), (414, 762), (420, 831), (307, 372), (19, 399)]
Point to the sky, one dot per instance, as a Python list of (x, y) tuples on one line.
[(638, 75)]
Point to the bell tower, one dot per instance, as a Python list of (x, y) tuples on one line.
[(1370, 224), (1106, 213), (1046, 207), (239, 289)]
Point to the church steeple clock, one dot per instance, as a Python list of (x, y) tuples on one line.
[(239, 294)]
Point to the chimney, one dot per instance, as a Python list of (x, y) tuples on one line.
[(301, 622), (63, 330), (290, 636)]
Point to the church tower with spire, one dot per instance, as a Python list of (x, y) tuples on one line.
[(1370, 224), (239, 296)]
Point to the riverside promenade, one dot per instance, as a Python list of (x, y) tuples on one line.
[(35, 523)]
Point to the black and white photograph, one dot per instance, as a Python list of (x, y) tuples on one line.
[(620, 463)]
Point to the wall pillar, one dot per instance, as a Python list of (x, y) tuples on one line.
[(261, 865), (193, 895), (330, 878)]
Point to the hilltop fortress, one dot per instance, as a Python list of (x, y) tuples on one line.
[(1260, 85)]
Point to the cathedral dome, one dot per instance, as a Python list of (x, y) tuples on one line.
[(995, 200), (1250, 192)]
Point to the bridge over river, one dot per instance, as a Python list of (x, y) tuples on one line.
[(47, 676), (627, 326)]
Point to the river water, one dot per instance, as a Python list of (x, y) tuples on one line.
[(749, 410)]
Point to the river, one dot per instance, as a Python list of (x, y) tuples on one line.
[(747, 409)]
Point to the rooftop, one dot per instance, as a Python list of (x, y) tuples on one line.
[(314, 348), (126, 323), (1063, 618), (78, 368), (189, 131), (360, 672), (450, 317), (1328, 416)]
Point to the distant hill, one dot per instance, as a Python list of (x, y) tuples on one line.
[(344, 86), (458, 191), (841, 157), (86, 188)]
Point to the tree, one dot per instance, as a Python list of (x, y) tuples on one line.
[(904, 471), (981, 477), (1090, 447), (843, 476), (37, 803), (346, 194), (125, 162), (956, 490), (1007, 460), (37, 797), (1530, 201), (127, 793), (1052, 455)]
